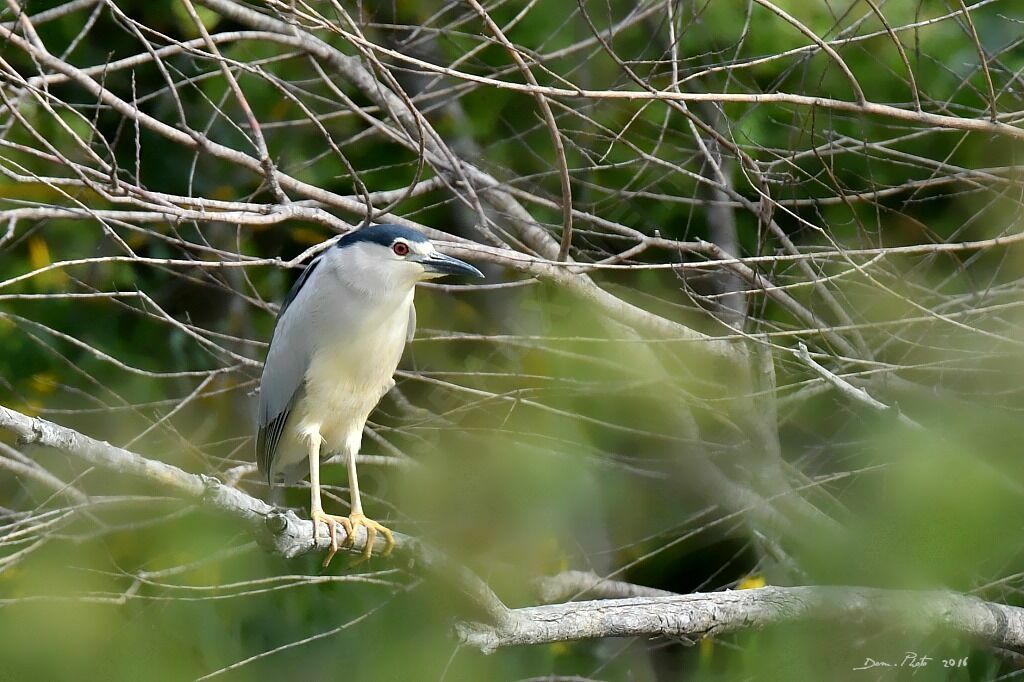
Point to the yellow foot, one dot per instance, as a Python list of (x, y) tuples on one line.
[(372, 528), (318, 516), (350, 523)]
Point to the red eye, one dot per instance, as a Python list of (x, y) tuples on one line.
[(400, 248)]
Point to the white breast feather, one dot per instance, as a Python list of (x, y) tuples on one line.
[(346, 379)]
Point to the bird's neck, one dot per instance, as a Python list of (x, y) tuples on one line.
[(387, 304)]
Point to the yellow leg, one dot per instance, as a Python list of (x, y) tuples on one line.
[(316, 509), (355, 519)]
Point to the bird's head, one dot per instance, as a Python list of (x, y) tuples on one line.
[(397, 256)]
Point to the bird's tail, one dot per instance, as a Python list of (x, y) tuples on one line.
[(276, 494)]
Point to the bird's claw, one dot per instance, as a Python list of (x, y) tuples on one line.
[(350, 523), (372, 528), (319, 516)]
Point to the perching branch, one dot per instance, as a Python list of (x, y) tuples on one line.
[(280, 531)]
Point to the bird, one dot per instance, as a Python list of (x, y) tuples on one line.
[(337, 341)]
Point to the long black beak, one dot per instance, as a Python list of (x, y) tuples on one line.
[(446, 265)]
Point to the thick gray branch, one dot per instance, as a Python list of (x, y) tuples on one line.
[(717, 613)]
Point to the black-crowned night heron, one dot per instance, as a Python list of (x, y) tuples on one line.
[(337, 341)]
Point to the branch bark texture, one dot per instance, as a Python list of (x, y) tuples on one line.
[(694, 616)]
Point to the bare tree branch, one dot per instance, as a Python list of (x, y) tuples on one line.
[(718, 613), (281, 531)]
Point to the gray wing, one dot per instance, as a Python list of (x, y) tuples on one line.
[(283, 373)]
